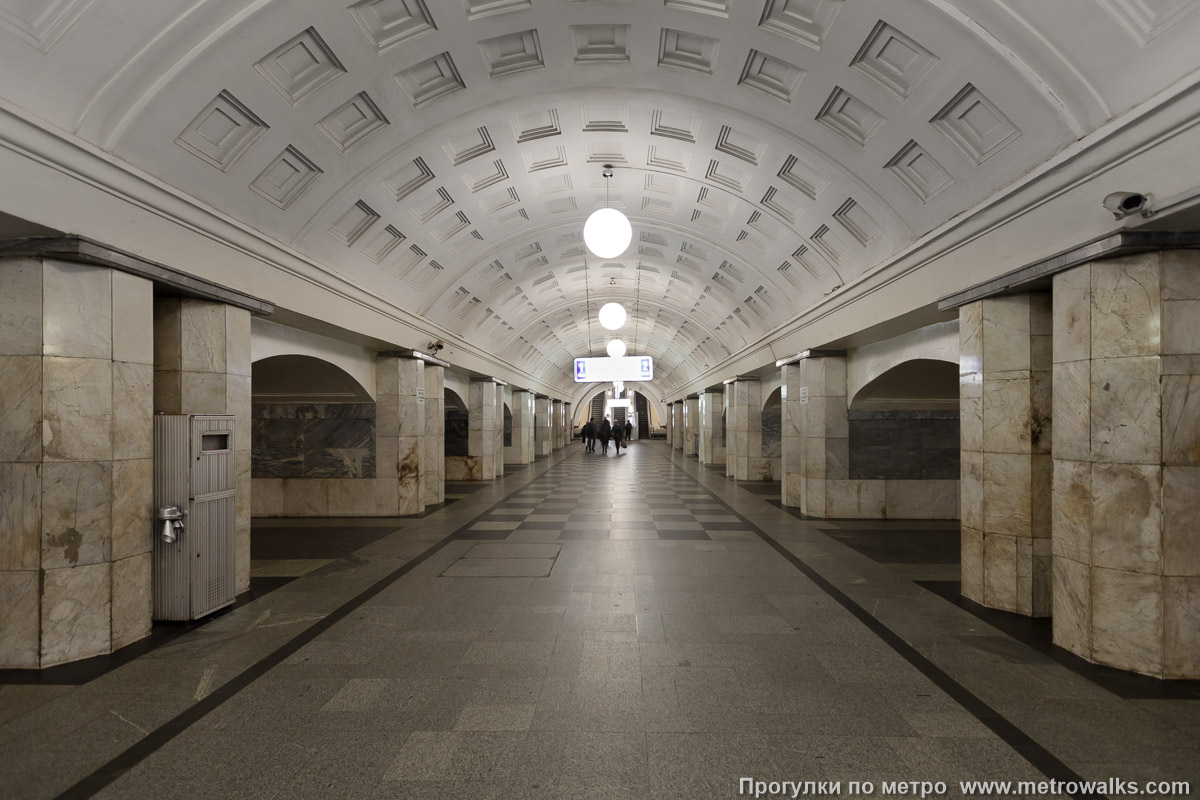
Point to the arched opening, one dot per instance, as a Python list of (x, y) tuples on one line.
[(457, 421), (904, 424), (772, 433), (508, 426), (309, 419), (923, 384)]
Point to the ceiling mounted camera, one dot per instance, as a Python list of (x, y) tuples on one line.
[(1124, 204)]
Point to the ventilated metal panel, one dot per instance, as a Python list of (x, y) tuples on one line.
[(172, 471), (195, 469), (213, 513)]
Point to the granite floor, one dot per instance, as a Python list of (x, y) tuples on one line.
[(630, 626)]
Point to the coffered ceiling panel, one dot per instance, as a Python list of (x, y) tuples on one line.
[(444, 155)]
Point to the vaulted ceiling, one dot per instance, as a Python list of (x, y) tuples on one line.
[(444, 154)]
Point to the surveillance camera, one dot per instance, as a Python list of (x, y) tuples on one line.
[(435, 347), (1123, 204)]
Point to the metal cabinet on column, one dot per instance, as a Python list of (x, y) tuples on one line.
[(195, 494)]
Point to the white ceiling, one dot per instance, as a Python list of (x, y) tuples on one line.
[(443, 154)]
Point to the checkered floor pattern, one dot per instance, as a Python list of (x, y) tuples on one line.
[(636, 495)]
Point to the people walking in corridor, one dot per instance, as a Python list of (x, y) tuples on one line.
[(618, 434), (605, 434), (589, 436)]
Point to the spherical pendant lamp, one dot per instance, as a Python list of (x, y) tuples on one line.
[(616, 348), (607, 233), (612, 316)]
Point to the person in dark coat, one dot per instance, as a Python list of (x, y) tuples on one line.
[(589, 436), (605, 434), (618, 432), (628, 433)]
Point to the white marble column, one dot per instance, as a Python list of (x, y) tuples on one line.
[(433, 446), (794, 483), (400, 429), (1005, 409), (568, 424), (521, 450), (712, 439), (744, 460), (202, 366), (556, 413), (1126, 485), (481, 430), (543, 431), (691, 425), (76, 461), (499, 447), (677, 426)]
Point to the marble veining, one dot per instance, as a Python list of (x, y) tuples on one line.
[(76, 606), (77, 403), (21, 308), (21, 422), (76, 513), (311, 440), (19, 604), (76, 311)]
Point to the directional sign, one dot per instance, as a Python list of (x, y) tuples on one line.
[(629, 368)]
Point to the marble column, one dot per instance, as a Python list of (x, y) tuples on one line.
[(543, 427), (400, 429), (202, 366), (568, 424), (556, 414), (498, 463), (76, 469), (1126, 485), (677, 426), (691, 425), (815, 434), (1005, 411), (670, 424), (433, 446), (744, 460), (794, 482), (712, 440), (481, 429), (521, 451)]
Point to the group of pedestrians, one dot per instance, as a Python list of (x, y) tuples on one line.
[(606, 431)]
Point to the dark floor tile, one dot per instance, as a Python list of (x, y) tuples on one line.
[(484, 535)]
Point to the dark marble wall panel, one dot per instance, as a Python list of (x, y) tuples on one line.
[(904, 445), (457, 422), (507, 427), (313, 440), (772, 430)]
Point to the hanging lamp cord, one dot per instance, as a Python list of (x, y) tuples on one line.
[(588, 302), (637, 304)]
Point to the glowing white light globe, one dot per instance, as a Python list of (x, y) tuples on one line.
[(607, 233), (616, 348), (612, 316)]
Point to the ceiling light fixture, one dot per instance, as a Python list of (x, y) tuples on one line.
[(612, 316), (607, 232), (616, 348)]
